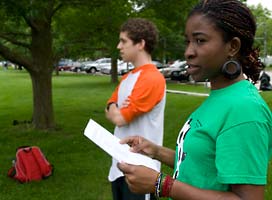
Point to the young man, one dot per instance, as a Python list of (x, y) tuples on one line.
[(137, 105)]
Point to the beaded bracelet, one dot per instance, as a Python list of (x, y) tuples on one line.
[(167, 186), (157, 185), (163, 185)]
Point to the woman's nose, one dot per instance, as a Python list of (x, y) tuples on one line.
[(189, 51)]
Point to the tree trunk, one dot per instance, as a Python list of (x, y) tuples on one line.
[(43, 117), (114, 75), (41, 75)]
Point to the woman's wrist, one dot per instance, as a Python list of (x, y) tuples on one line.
[(156, 152), (163, 185)]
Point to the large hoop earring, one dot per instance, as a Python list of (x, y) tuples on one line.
[(231, 69)]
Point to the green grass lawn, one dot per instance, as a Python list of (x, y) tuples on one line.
[(81, 168)]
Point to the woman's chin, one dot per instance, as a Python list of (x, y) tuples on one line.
[(198, 78)]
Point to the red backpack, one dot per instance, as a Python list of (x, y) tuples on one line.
[(30, 164)]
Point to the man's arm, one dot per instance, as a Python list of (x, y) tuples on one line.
[(114, 115)]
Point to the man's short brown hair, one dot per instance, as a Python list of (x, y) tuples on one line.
[(139, 29)]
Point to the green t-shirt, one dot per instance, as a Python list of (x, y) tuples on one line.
[(227, 140)]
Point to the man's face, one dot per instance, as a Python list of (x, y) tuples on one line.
[(128, 50)]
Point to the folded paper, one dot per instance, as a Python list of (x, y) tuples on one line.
[(111, 144)]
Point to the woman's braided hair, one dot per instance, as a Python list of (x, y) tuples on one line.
[(235, 19)]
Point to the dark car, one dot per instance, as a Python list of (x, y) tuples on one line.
[(180, 73), (265, 84), (65, 64)]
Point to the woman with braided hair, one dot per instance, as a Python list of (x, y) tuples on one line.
[(223, 149)]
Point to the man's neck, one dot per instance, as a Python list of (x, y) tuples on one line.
[(142, 59)]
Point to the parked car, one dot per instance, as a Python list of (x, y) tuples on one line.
[(65, 64), (180, 73), (82, 66), (167, 71), (106, 70), (122, 68), (7, 64), (77, 66), (265, 84), (158, 64), (97, 65)]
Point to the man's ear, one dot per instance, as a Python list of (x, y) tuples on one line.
[(234, 46), (141, 44)]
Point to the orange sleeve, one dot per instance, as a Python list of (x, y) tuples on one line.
[(114, 96), (148, 91)]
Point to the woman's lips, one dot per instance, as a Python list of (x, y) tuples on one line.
[(192, 69)]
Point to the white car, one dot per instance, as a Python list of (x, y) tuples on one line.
[(77, 66), (122, 68), (97, 65), (158, 64), (167, 71)]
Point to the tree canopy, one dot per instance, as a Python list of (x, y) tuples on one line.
[(263, 38)]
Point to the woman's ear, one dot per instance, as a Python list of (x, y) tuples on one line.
[(235, 45)]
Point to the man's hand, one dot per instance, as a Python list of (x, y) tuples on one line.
[(114, 115)]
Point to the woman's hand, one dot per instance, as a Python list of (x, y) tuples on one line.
[(141, 145), (140, 179)]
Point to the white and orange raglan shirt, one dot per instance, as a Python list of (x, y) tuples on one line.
[(145, 87)]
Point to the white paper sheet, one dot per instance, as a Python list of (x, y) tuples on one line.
[(110, 143)]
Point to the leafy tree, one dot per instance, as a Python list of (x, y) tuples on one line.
[(170, 17), (26, 39), (92, 33), (263, 37), (85, 41)]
